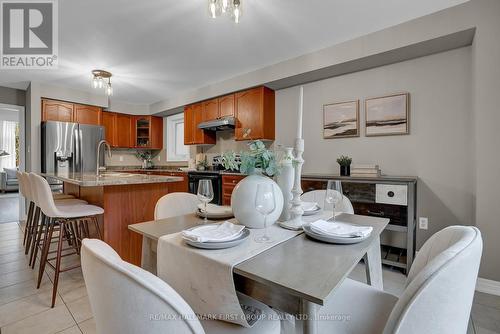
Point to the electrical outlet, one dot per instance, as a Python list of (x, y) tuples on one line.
[(423, 223), (121, 158), (159, 157)]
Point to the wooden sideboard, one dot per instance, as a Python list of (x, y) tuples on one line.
[(387, 197)]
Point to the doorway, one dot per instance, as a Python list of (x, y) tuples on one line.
[(10, 160)]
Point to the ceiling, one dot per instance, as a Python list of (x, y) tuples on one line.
[(158, 48)]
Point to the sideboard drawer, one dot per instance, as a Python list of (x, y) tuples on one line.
[(391, 194)]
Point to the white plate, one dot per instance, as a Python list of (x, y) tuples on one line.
[(220, 245), (331, 239)]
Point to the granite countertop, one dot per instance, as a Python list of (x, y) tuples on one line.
[(111, 179)]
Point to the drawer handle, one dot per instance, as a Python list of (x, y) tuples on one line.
[(234, 181), (378, 214)]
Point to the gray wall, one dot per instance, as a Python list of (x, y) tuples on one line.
[(438, 149), (12, 96), (486, 72)]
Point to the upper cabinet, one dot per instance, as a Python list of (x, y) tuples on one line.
[(84, 114), (57, 111), (226, 106), (118, 129), (193, 115), (147, 132), (210, 110), (254, 112), (53, 110), (218, 108)]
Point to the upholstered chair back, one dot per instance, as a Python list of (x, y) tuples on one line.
[(126, 299), (440, 285)]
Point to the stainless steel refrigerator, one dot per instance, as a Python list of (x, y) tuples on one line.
[(70, 147)]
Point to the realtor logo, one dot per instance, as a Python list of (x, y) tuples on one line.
[(29, 34)]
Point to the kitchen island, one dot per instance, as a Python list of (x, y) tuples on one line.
[(126, 199)]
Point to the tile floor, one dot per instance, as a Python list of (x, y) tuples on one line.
[(24, 309), (9, 207)]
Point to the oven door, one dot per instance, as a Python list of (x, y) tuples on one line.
[(216, 185)]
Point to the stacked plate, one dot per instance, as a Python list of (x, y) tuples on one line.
[(216, 236), (215, 211), (310, 208), (337, 232)]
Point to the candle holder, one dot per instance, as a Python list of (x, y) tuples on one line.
[(296, 212)]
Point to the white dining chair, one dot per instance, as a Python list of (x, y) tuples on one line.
[(318, 196), (176, 204), (437, 298), (126, 299)]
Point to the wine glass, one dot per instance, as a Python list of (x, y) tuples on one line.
[(205, 195), (265, 203), (334, 195)]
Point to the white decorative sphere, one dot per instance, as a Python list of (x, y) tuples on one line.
[(243, 202)]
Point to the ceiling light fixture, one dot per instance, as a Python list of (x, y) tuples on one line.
[(102, 79), (231, 8)]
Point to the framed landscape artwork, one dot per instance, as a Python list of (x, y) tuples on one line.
[(341, 120), (387, 115)]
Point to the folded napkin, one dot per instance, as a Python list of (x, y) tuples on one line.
[(309, 206), (215, 209), (214, 233), (337, 229)]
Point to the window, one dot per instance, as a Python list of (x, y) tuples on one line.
[(176, 150)]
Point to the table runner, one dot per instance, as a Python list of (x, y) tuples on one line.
[(204, 278)]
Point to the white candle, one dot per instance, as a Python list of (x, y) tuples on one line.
[(301, 110)]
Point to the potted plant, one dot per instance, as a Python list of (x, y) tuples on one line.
[(345, 165), (260, 164), (147, 157)]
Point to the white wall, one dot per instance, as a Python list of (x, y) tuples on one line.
[(439, 149)]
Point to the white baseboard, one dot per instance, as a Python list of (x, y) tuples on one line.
[(488, 286)]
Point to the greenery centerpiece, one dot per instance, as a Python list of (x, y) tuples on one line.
[(260, 164), (258, 159), (345, 165)]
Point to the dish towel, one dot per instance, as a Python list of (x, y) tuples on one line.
[(339, 229), (214, 232), (204, 278)]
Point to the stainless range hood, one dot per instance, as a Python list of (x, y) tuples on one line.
[(220, 124)]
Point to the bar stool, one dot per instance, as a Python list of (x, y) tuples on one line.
[(71, 221), (34, 225)]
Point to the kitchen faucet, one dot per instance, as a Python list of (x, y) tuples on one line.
[(98, 168)]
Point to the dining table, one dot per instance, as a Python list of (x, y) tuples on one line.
[(296, 276)]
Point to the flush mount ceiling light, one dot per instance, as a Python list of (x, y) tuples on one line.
[(231, 8), (102, 79)]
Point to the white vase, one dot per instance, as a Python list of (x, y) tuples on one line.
[(243, 202), (285, 181)]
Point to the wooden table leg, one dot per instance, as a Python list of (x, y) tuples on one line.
[(307, 323), (148, 259), (373, 263)]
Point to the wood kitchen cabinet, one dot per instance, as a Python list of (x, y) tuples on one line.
[(228, 184), (57, 111), (226, 106), (210, 110), (193, 115), (255, 114), (60, 111), (118, 129), (109, 123), (84, 114), (218, 108), (147, 132)]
